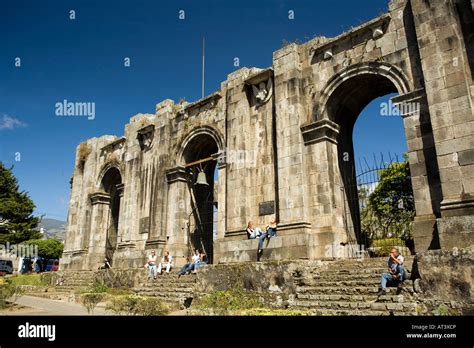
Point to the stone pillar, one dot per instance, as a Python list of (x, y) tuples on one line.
[(293, 196), (178, 209), (326, 190), (100, 217), (221, 200), (445, 59), (423, 167)]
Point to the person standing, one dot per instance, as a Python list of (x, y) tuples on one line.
[(151, 264)]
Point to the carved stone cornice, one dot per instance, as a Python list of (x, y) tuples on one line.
[(323, 130), (177, 174), (99, 198)]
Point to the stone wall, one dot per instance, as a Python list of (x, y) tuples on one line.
[(281, 139), (447, 280)]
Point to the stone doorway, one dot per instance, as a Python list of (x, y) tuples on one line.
[(343, 107), (112, 185), (200, 156)]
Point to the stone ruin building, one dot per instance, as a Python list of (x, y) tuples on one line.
[(277, 143)]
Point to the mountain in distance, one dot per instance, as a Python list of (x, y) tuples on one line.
[(53, 229)]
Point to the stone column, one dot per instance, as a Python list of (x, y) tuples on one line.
[(326, 190), (423, 167), (221, 200), (292, 194), (445, 60), (100, 217), (178, 208)]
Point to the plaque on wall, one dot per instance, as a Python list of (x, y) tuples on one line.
[(144, 225), (266, 208)]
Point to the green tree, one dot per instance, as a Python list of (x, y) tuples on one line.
[(17, 222), (390, 208), (47, 248)]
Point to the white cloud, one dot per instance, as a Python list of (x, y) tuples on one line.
[(8, 122)]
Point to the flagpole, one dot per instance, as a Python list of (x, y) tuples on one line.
[(203, 48)]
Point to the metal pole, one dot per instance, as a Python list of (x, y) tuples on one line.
[(203, 48)]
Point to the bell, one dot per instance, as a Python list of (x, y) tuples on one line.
[(201, 179)]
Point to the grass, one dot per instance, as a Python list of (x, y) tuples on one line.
[(27, 279), (230, 300), (137, 305)]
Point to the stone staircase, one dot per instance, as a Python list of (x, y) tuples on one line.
[(349, 287), (170, 288), (68, 281)]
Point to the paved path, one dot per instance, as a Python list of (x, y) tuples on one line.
[(43, 306)]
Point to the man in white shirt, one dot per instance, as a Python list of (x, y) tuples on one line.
[(188, 267), (166, 262), (396, 271), (151, 264)]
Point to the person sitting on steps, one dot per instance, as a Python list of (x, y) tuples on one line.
[(190, 266), (395, 274), (166, 262), (252, 231), (270, 231), (202, 261), (106, 264)]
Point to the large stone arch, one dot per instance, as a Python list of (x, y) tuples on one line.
[(339, 105), (391, 73), (195, 133), (105, 168), (197, 152)]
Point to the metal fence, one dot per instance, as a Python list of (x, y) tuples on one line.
[(373, 229)]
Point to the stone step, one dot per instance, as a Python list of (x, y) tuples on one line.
[(345, 278), (163, 291), (352, 272), (405, 307), (161, 285), (371, 282), (365, 263), (351, 298), (64, 288), (357, 312), (358, 290)]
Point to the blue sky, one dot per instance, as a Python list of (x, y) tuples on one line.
[(82, 60)]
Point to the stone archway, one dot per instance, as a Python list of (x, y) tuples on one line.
[(198, 154), (342, 101), (111, 190)]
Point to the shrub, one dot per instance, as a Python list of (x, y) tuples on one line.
[(137, 305), (382, 247), (99, 286), (230, 299), (8, 292), (82, 153), (90, 300), (47, 248)]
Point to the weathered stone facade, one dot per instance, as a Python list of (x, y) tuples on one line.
[(277, 137)]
